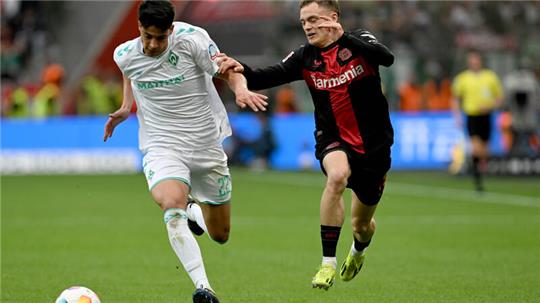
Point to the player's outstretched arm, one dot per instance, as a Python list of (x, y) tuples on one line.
[(122, 113), (287, 71), (373, 48), (244, 97)]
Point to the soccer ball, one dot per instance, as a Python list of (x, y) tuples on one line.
[(78, 294)]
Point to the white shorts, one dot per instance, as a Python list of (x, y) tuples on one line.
[(204, 171)]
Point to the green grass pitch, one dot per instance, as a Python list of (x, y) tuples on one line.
[(436, 241)]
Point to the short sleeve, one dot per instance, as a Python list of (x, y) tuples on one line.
[(122, 54), (204, 51)]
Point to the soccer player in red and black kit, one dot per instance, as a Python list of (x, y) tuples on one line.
[(353, 130)]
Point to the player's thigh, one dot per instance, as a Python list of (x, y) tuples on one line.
[(368, 178), (212, 187), (336, 165), (477, 145), (168, 177), (210, 177), (160, 165)]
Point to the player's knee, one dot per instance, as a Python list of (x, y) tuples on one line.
[(337, 179), (167, 202)]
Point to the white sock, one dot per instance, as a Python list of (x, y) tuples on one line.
[(330, 260), (194, 213), (354, 252), (185, 246)]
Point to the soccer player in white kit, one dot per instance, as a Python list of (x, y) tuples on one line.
[(168, 71)]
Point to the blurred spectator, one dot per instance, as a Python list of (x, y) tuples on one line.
[(504, 123), (411, 97), (94, 97), (263, 146), (11, 55), (19, 103), (47, 101), (422, 33), (522, 102), (285, 100), (438, 95)]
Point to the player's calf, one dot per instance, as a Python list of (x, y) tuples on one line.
[(219, 234)]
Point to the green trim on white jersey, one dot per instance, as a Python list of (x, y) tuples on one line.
[(215, 203)]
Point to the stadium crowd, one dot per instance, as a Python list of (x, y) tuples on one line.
[(429, 39)]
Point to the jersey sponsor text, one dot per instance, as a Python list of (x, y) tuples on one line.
[(160, 83), (347, 76)]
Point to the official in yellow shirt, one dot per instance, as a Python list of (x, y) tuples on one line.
[(477, 92)]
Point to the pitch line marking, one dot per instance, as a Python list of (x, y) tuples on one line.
[(423, 191)]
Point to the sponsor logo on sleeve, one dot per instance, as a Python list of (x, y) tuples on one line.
[(213, 51)]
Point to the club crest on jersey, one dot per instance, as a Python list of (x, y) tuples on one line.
[(213, 51), (173, 58), (344, 54), (317, 63)]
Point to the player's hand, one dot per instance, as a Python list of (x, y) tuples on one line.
[(333, 27), (225, 63), (115, 118), (252, 100)]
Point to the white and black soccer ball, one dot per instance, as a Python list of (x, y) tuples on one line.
[(78, 294)]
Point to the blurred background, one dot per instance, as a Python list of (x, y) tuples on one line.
[(59, 81), (76, 210)]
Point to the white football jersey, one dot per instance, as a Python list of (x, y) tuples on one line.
[(178, 105)]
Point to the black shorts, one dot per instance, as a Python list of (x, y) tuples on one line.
[(479, 126), (368, 172)]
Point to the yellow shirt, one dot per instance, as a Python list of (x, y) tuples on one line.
[(477, 91)]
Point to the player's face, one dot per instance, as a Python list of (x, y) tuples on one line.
[(155, 41), (474, 62), (310, 19)]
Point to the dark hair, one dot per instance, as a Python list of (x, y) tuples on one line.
[(332, 5), (474, 51), (156, 13)]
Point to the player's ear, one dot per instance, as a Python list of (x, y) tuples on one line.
[(334, 16), (170, 30)]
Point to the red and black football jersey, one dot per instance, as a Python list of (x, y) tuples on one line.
[(345, 85)]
